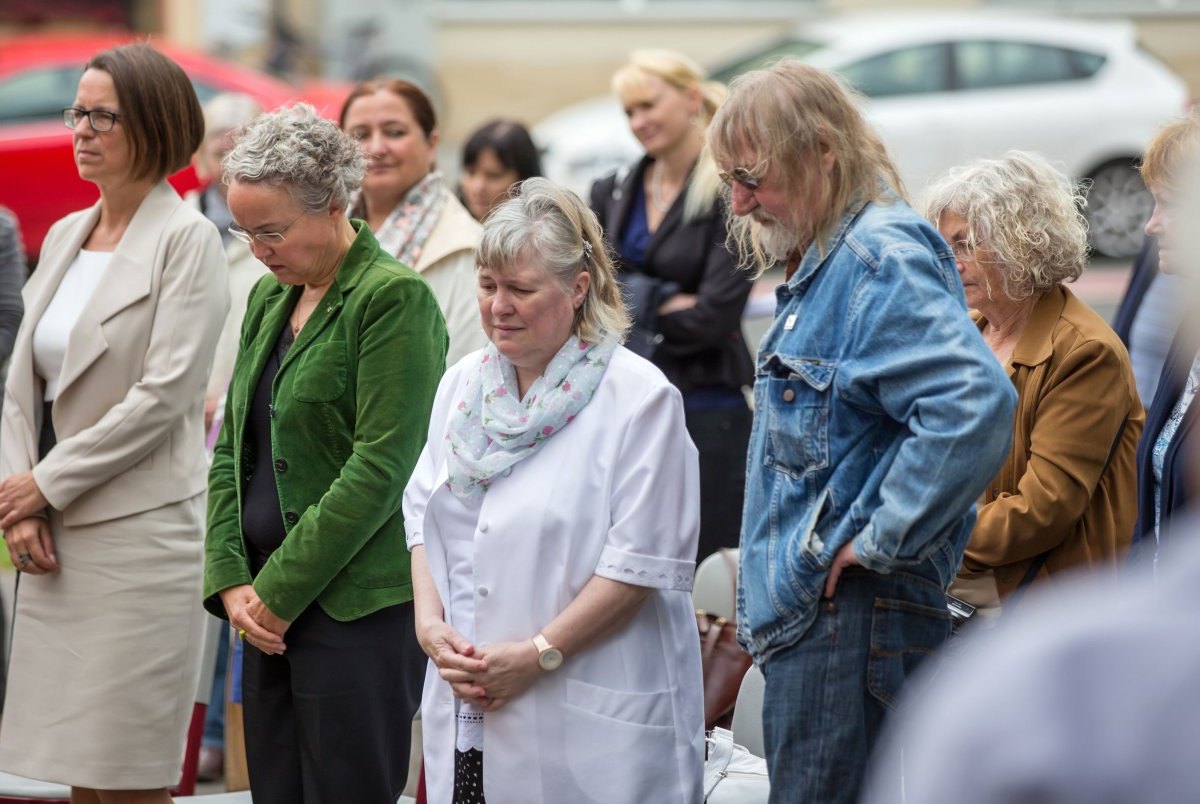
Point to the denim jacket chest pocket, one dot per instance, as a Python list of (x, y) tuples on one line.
[(795, 393)]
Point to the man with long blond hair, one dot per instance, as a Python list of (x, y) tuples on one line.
[(881, 417)]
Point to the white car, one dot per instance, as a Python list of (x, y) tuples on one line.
[(945, 89)]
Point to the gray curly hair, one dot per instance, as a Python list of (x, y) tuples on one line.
[(301, 152), (1022, 210), (552, 225)]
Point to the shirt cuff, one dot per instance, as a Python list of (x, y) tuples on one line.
[(413, 535), (640, 570)]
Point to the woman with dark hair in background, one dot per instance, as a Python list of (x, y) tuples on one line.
[(498, 155), (406, 202), (665, 220)]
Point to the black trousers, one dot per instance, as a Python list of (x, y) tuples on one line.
[(722, 436), (330, 721)]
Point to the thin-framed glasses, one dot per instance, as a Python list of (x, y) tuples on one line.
[(266, 238), (99, 119), (742, 177)]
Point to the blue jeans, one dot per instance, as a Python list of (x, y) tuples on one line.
[(214, 716), (826, 696)]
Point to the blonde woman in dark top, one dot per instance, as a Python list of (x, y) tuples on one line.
[(664, 219)]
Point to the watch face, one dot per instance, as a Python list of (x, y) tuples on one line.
[(550, 658)]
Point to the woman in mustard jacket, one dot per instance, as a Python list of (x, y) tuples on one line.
[(340, 356), (1066, 497)]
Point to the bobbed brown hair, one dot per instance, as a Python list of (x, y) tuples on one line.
[(160, 113)]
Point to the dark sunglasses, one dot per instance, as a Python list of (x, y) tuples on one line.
[(742, 177)]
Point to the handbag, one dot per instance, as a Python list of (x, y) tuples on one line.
[(732, 775), (722, 661)]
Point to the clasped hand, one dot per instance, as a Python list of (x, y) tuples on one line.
[(20, 498), (487, 677), (247, 613)]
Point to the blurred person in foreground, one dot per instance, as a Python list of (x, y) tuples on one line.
[(552, 521), (340, 355), (1151, 308), (498, 155), (102, 450), (1166, 471), (223, 115), (665, 219), (880, 417), (1066, 496), (407, 204)]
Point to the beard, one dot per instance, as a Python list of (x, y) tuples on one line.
[(777, 240)]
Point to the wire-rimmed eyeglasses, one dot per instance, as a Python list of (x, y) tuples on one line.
[(100, 120), (266, 238), (742, 177)]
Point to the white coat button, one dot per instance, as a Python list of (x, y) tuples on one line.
[(483, 591), (483, 527)]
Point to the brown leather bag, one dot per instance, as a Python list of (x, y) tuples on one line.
[(723, 661)]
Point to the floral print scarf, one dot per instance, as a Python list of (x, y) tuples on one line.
[(491, 427), (405, 231)]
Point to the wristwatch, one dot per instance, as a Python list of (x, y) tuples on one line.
[(549, 657)]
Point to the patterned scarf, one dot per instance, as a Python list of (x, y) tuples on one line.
[(491, 428), (404, 232)]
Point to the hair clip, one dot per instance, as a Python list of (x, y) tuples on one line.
[(587, 249)]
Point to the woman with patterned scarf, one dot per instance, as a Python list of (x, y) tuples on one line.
[(407, 203), (552, 519)]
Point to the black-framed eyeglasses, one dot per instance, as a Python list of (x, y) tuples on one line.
[(742, 177), (266, 238), (99, 119)]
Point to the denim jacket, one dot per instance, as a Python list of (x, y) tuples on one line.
[(881, 417)]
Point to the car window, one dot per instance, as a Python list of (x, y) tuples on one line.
[(39, 94), (907, 71), (798, 48), (983, 65)]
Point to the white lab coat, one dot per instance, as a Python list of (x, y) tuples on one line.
[(616, 494)]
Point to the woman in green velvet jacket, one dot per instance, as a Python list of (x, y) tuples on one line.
[(341, 352)]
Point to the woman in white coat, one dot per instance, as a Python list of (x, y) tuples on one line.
[(553, 519)]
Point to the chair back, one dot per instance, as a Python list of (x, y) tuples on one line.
[(747, 713), (714, 588)]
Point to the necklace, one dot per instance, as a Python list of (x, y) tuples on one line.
[(656, 194)]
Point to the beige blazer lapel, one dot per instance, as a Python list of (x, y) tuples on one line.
[(127, 279), (25, 389)]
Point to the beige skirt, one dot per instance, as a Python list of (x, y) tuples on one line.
[(105, 655)]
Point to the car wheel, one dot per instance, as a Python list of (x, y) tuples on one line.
[(1118, 206)]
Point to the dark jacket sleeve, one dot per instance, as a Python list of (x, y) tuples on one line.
[(13, 273), (720, 298)]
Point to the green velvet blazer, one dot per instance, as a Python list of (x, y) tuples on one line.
[(351, 408)]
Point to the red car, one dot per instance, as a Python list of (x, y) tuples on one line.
[(38, 77)]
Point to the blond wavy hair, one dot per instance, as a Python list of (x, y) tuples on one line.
[(630, 85), (783, 120), (1173, 148), (1024, 216), (554, 227)]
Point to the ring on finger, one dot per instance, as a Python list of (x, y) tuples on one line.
[(24, 558)]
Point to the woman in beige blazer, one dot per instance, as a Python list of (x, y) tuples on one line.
[(102, 454)]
